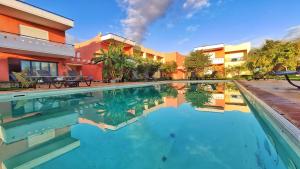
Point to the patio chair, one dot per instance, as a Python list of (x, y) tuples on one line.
[(258, 76), (213, 75), (14, 81), (280, 70), (193, 76), (46, 78), (74, 79), (24, 80)]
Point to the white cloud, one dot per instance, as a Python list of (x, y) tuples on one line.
[(141, 14), (258, 42), (292, 33), (193, 6), (192, 28), (183, 41), (190, 15)]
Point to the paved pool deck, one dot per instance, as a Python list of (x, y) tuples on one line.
[(278, 94)]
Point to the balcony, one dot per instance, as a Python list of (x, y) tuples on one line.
[(217, 61), (13, 43)]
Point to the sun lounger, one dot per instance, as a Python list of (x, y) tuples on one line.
[(74, 79), (280, 70), (213, 75), (24, 80), (46, 78)]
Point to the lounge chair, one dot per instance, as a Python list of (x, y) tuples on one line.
[(213, 75), (280, 70), (74, 79), (193, 76), (24, 80), (46, 78), (14, 81), (258, 76)]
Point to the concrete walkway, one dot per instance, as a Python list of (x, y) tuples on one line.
[(278, 94)]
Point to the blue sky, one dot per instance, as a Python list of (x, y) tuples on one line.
[(181, 25)]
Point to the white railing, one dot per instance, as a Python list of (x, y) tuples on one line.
[(35, 46), (216, 61)]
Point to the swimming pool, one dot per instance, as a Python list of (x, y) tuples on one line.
[(176, 125)]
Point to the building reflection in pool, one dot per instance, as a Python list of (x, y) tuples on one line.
[(33, 125), (32, 138)]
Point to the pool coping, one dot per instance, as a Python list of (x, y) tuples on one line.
[(58, 92), (287, 128)]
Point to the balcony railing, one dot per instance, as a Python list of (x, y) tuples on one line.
[(217, 61), (34, 46)]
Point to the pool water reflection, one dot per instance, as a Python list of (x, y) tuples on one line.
[(163, 126)]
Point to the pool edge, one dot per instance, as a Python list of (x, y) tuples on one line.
[(288, 129)]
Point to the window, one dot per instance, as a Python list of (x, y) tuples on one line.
[(25, 65), (236, 59), (45, 66), (235, 96), (34, 67), (53, 69)]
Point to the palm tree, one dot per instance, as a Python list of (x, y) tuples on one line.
[(114, 60)]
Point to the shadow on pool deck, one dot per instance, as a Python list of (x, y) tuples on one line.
[(278, 94)]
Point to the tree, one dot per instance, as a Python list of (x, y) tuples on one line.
[(235, 71), (168, 68), (146, 68), (196, 62), (262, 60), (150, 67), (197, 96), (129, 68), (114, 60)]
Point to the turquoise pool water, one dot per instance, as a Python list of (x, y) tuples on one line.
[(168, 126)]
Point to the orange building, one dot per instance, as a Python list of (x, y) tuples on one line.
[(170, 101), (86, 50), (32, 38), (180, 72), (225, 56)]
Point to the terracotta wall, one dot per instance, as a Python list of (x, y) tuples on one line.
[(87, 52), (4, 69), (176, 57), (93, 70), (11, 25), (219, 103), (179, 74), (179, 59), (219, 53)]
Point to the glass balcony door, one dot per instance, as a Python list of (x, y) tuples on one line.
[(17, 65)]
